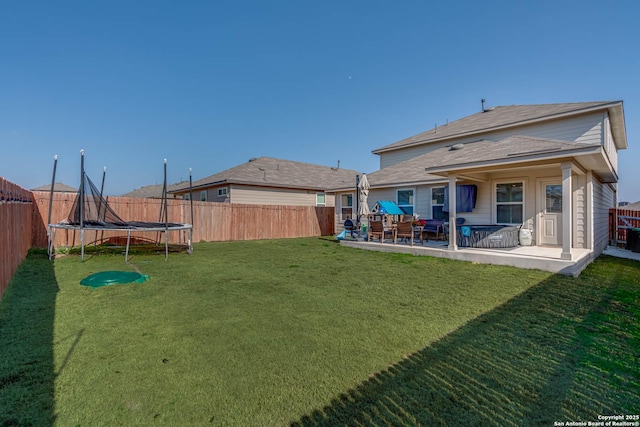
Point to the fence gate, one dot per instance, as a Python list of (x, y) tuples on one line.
[(621, 220)]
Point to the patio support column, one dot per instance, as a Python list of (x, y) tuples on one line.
[(453, 244), (567, 213)]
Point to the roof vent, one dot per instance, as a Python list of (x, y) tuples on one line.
[(456, 147), (253, 159), (484, 108)]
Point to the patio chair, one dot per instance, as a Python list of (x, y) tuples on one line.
[(405, 230), (434, 226), (378, 230)]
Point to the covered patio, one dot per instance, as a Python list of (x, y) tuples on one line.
[(546, 258)]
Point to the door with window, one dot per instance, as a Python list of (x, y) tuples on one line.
[(550, 208), (346, 207)]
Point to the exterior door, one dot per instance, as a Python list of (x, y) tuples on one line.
[(550, 213)]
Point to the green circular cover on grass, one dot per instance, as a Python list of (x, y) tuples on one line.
[(106, 278)]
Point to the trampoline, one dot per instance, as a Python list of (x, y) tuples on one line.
[(91, 211)]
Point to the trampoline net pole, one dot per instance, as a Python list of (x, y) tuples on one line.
[(53, 182), (126, 252)]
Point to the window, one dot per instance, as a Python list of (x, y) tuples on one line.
[(321, 199), (510, 203), (405, 201), (203, 196), (437, 203), (222, 191), (554, 198), (187, 196), (346, 205)]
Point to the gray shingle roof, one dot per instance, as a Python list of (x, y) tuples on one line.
[(632, 206), (57, 187), (515, 148), (271, 172), (495, 118), (153, 191)]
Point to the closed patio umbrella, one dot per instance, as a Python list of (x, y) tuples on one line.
[(363, 194)]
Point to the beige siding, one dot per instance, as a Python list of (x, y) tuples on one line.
[(587, 129), (381, 194), (603, 199), (579, 211), (275, 196)]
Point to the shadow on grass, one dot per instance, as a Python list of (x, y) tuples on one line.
[(26, 345), (566, 350)]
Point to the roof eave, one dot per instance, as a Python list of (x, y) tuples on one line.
[(514, 160), (389, 185), (252, 183), (618, 127)]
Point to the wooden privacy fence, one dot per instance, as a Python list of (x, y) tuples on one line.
[(212, 221), (626, 219), (16, 205)]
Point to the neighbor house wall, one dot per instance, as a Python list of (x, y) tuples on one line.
[(586, 129), (276, 196)]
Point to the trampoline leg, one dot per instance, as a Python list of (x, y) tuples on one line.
[(190, 239), (126, 252), (166, 245), (82, 245), (50, 242)]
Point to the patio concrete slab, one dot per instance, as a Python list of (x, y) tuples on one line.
[(529, 257)]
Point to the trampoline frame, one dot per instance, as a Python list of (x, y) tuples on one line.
[(51, 235)]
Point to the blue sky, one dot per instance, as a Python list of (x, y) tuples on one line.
[(210, 84)]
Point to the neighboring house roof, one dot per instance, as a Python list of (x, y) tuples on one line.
[(271, 172), (631, 206), (154, 191), (515, 149), (58, 187), (504, 117)]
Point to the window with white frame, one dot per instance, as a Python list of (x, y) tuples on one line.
[(203, 196), (321, 199), (510, 202), (404, 200), (437, 203), (186, 197), (346, 207), (222, 191)]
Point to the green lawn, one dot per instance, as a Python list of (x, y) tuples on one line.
[(305, 332)]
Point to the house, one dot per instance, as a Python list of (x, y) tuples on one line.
[(550, 168), (635, 206), (270, 181), (58, 187)]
